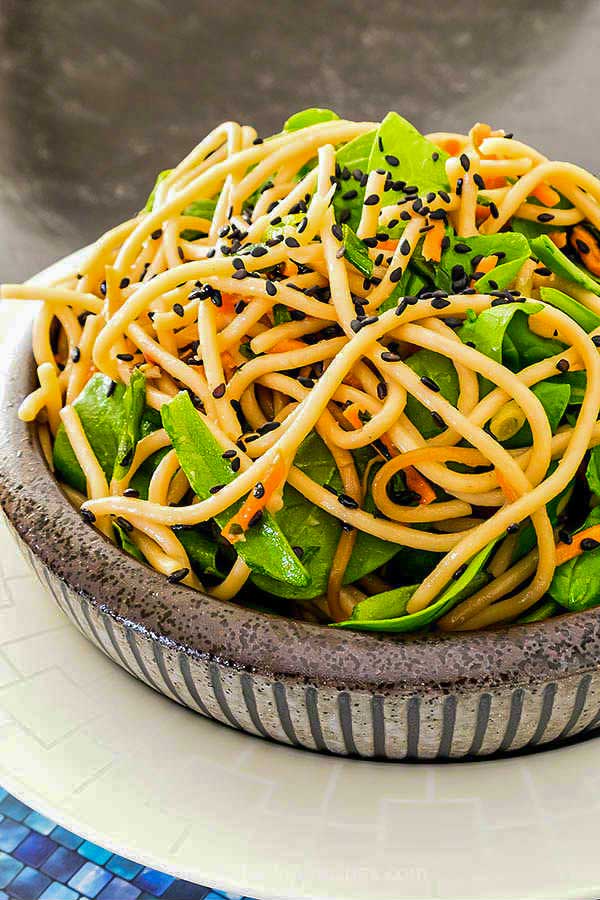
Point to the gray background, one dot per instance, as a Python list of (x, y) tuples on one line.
[(97, 95)]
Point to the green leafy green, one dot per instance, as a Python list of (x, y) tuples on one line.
[(575, 583), (100, 409), (351, 157), (150, 201), (307, 117), (134, 403), (281, 314), (442, 371), (543, 610), (202, 550), (548, 253), (419, 161), (527, 347), (514, 247), (577, 381), (356, 252), (127, 544), (396, 601), (265, 549), (592, 472), (577, 311)]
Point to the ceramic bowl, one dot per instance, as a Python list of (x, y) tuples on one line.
[(377, 696)]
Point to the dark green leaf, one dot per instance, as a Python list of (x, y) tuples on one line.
[(592, 473), (353, 155), (575, 583), (356, 252), (584, 317), (307, 117), (543, 610), (134, 402), (554, 397), (442, 371), (515, 249), (266, 549), (549, 254)]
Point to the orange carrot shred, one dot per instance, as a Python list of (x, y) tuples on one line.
[(287, 344), (559, 238), (415, 482), (506, 488), (565, 552), (481, 213), (391, 244), (253, 504), (432, 245), (546, 195)]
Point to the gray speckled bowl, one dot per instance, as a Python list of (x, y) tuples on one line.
[(441, 696)]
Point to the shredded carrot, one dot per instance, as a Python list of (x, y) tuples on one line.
[(352, 414), (546, 195), (564, 552), (229, 302), (228, 363), (591, 259), (451, 146), (389, 445), (559, 238), (506, 488), (253, 504), (485, 265), (415, 482), (287, 344), (492, 181), (481, 213), (388, 245), (289, 268), (432, 245)]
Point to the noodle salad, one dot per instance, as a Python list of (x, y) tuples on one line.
[(347, 373)]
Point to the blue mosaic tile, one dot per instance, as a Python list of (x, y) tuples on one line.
[(185, 890), (12, 807), (56, 891), (28, 885), (3, 794), (118, 889), (156, 883), (90, 880), (66, 838), (63, 864), (8, 869), (4, 895), (94, 853), (125, 868), (35, 849), (39, 822), (11, 835)]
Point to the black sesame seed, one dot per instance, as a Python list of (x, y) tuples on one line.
[(240, 274), (125, 357), (291, 242), (270, 288), (392, 160), (235, 464), (125, 524), (388, 356), (124, 282), (543, 270), (563, 365), (372, 200), (513, 528), (459, 187), (156, 234), (462, 248), (305, 382), (479, 180), (131, 492), (255, 518), (88, 516), (382, 390), (435, 156), (178, 309), (229, 454), (465, 162), (429, 383), (258, 251), (445, 242), (219, 391), (582, 246), (103, 288), (440, 303), (460, 571), (111, 388), (216, 488), (438, 419), (396, 274), (545, 217), (380, 144), (347, 501), (298, 551), (589, 544), (405, 248), (76, 354), (565, 537), (350, 195), (178, 575), (258, 490), (494, 210)]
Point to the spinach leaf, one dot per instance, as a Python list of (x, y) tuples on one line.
[(554, 397), (419, 163), (488, 332), (542, 610), (266, 549), (514, 247), (575, 582), (577, 381), (202, 551), (396, 600), (584, 317), (548, 253), (150, 201), (127, 544), (528, 346), (442, 371), (100, 409), (204, 209), (526, 538), (352, 157), (532, 229), (281, 314), (592, 473), (307, 117), (356, 252), (134, 402)]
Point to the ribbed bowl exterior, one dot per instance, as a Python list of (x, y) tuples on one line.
[(358, 723)]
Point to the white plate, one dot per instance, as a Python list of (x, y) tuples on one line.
[(86, 744)]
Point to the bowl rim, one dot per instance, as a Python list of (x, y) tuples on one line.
[(277, 647)]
